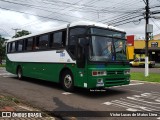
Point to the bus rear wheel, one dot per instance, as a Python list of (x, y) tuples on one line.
[(67, 81), (19, 73)]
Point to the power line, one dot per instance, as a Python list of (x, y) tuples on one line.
[(43, 17), (34, 15), (127, 3), (125, 19), (119, 5), (155, 6), (64, 7), (33, 6), (119, 18), (145, 2), (128, 22), (73, 5), (70, 4), (109, 11), (155, 24), (122, 15), (41, 8), (24, 4)]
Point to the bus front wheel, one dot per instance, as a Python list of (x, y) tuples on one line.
[(67, 81), (19, 73)]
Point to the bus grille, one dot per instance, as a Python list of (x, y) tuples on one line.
[(115, 72), (114, 80)]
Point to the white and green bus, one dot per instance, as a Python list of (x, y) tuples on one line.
[(83, 54)]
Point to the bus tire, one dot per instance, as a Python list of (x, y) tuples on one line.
[(19, 73), (67, 81)]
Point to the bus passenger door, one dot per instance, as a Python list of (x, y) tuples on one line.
[(81, 63), (81, 77)]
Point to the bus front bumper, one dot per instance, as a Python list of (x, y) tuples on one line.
[(103, 82)]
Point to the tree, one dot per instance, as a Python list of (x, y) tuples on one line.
[(21, 33), (2, 47)]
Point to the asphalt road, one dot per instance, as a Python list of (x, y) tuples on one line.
[(137, 96)]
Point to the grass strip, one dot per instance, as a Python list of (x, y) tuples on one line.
[(153, 77)]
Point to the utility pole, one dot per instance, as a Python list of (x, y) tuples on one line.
[(146, 37)]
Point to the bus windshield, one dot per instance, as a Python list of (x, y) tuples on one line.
[(107, 45)]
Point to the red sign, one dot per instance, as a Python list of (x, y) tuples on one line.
[(130, 40)]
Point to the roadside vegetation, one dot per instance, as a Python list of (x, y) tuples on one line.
[(153, 77), (3, 44), (7, 101), (3, 65), (2, 48)]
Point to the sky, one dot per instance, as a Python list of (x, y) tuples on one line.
[(40, 15)]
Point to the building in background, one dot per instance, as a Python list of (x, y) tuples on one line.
[(136, 49), (130, 47)]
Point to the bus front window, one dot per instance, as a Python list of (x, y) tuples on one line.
[(120, 49), (102, 49), (107, 45)]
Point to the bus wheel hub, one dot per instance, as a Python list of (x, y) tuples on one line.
[(68, 81)]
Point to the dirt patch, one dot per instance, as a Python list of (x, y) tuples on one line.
[(7, 101), (12, 104)]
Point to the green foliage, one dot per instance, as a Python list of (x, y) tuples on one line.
[(21, 33), (2, 47)]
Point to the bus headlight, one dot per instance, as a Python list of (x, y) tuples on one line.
[(99, 73), (127, 72)]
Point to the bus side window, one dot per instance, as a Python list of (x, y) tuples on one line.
[(57, 37), (29, 44), (51, 40), (74, 32), (25, 44), (36, 43), (43, 41), (72, 45), (19, 45), (13, 47), (64, 38), (8, 47)]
